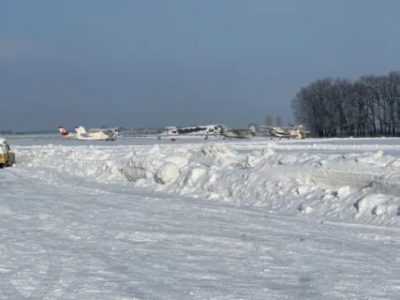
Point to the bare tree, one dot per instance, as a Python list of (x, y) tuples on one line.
[(369, 106)]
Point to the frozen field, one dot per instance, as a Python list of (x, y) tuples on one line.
[(194, 219)]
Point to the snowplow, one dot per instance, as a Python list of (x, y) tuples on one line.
[(7, 157)]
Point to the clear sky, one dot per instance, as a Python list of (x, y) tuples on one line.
[(153, 63)]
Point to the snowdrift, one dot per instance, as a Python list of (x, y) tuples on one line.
[(358, 185)]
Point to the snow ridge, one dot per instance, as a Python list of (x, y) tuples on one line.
[(359, 186)]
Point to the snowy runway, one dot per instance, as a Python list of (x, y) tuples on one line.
[(252, 220)]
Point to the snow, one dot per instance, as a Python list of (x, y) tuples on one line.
[(259, 173), (195, 219), (167, 173)]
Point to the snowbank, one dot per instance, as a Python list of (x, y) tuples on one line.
[(352, 185)]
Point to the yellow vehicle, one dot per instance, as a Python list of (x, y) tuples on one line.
[(7, 157)]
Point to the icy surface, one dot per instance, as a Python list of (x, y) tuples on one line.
[(144, 219)]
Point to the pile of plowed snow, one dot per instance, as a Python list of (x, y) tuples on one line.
[(359, 185)]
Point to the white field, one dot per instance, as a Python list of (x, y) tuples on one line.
[(194, 219)]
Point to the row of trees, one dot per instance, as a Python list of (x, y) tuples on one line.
[(369, 106)]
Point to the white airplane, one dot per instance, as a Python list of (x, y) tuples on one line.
[(204, 131), (296, 132), (92, 135), (239, 133)]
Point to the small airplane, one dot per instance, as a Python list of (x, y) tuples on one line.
[(239, 133), (92, 135), (172, 132), (296, 132), (207, 131)]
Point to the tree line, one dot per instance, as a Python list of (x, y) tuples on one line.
[(368, 106)]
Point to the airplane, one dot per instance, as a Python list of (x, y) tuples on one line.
[(296, 132), (205, 131), (92, 135), (239, 133)]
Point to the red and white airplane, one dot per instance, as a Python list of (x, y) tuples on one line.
[(92, 135)]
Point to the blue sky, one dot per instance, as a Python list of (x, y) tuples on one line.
[(153, 63)]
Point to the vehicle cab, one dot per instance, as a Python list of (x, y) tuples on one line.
[(7, 157)]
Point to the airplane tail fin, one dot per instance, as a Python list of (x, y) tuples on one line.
[(252, 129), (63, 131)]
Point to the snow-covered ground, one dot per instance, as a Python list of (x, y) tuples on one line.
[(195, 219)]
